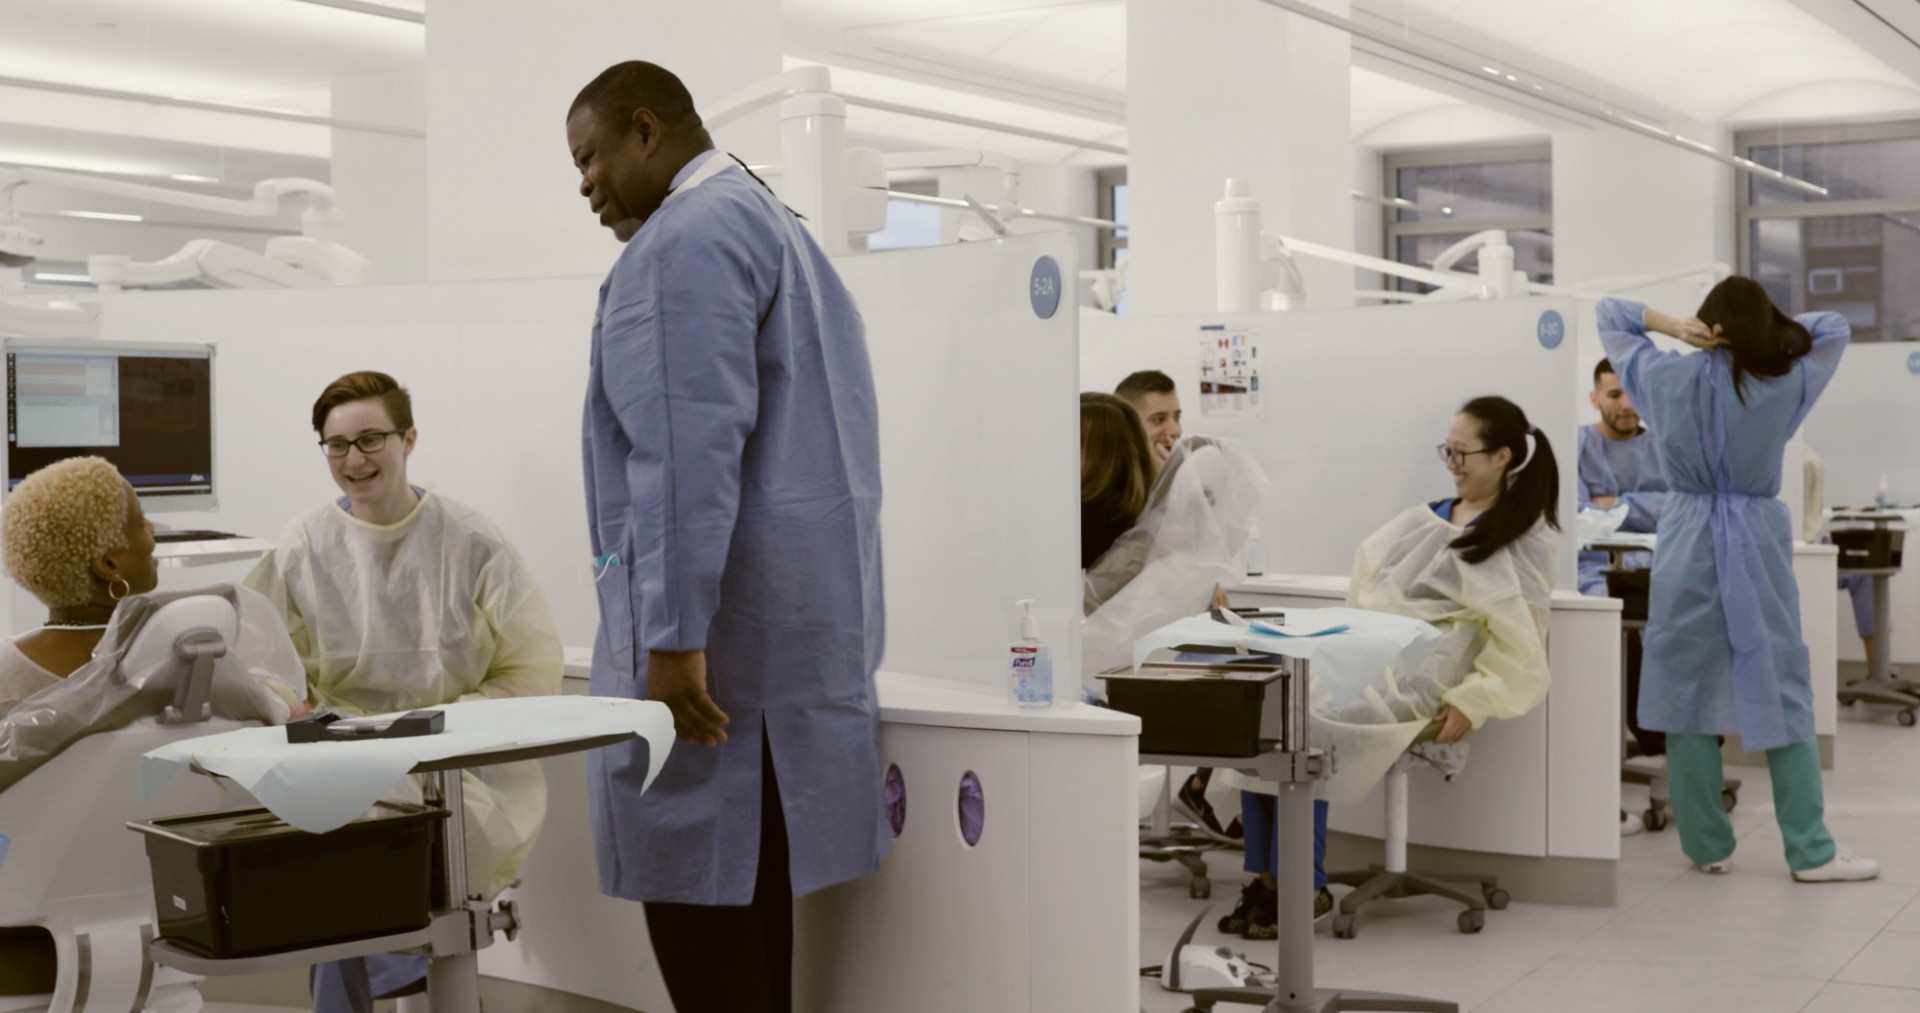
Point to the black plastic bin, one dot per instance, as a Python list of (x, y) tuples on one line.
[(241, 883), (1876, 548), (1633, 588), (1193, 714)]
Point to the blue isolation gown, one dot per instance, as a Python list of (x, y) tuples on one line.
[(1628, 470), (733, 490), (1723, 649)]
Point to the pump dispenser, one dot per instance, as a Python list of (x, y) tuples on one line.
[(1029, 665)]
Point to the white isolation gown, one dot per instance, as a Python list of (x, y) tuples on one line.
[(435, 608), (1491, 661), (1186, 543)]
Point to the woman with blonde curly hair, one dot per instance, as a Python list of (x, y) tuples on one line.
[(75, 537)]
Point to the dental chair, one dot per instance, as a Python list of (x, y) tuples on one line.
[(76, 898), (1393, 881)]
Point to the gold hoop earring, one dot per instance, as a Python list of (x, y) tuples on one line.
[(117, 595)]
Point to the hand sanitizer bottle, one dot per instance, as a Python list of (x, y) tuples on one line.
[(1251, 554), (1029, 665), (1881, 497)]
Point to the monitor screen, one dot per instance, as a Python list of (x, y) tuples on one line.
[(146, 408)]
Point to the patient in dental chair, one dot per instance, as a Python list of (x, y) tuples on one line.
[(74, 536)]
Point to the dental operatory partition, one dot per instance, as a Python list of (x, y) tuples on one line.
[(979, 432), (1862, 428), (1015, 841), (1344, 407)]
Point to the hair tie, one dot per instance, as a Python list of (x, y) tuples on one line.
[(1531, 447)]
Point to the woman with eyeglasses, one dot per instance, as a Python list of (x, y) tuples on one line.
[(399, 598), (1477, 565)]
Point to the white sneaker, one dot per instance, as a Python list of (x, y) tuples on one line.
[(1630, 825), (1846, 867), (1720, 868)]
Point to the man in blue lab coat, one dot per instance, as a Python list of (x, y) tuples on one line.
[(733, 487)]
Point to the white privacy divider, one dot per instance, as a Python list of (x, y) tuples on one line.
[(1354, 401), (979, 434), (1862, 429)]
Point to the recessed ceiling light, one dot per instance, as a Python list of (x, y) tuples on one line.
[(105, 216)]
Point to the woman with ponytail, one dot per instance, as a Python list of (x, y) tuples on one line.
[(1723, 649), (1479, 566)]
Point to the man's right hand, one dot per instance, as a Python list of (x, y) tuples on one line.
[(679, 680)]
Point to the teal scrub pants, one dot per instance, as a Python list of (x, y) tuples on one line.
[(1695, 777)]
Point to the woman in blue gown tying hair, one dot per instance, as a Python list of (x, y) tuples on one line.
[(1724, 654)]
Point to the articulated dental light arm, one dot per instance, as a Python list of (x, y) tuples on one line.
[(265, 202)]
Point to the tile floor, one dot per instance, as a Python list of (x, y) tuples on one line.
[(1678, 941), (1752, 941)]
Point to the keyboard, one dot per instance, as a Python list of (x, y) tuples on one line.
[(164, 537)]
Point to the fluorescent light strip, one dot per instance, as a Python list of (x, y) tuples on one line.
[(88, 279), (105, 216), (216, 107), (1601, 113), (188, 177), (377, 10), (968, 121)]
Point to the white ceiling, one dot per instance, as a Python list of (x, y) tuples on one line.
[(1705, 59), (1054, 66)]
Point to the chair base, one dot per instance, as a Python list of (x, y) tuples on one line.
[(1188, 848), (1324, 1001), (1379, 884)]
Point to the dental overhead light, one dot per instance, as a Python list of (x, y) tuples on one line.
[(310, 259)]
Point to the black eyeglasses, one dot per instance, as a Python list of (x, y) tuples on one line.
[(369, 443), (1456, 458)]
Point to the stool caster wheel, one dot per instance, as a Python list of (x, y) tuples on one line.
[(1344, 927), (1905, 718), (1497, 898), (1654, 819), (1200, 889), (1729, 799), (1472, 921)]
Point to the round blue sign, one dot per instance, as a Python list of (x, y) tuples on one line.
[(1913, 363), (1551, 330), (1043, 287)]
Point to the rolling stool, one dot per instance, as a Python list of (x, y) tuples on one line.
[(1633, 587), (1393, 881), (1876, 552)]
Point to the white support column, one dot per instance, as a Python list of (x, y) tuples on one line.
[(502, 199), (1625, 205), (380, 180), (1237, 88)]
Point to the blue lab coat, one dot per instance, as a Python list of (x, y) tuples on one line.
[(1723, 647), (733, 490), (1628, 470)]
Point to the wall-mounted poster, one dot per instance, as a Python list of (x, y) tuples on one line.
[(1229, 373)]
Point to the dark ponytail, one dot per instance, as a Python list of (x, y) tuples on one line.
[(1762, 340), (1532, 488)]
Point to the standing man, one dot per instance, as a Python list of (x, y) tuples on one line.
[(1152, 394), (733, 489)]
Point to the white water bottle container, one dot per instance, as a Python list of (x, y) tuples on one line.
[(1255, 564)]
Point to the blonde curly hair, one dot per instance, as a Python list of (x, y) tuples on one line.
[(57, 522)]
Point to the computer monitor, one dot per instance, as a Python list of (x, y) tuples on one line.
[(147, 407)]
